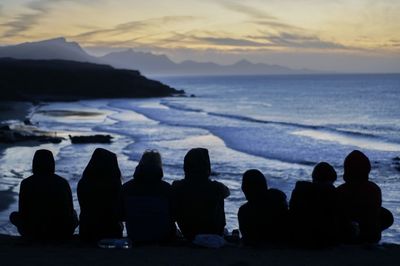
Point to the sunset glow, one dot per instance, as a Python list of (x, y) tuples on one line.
[(219, 30)]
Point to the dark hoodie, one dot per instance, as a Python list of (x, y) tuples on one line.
[(361, 199), (147, 205), (45, 202), (199, 201), (98, 194), (263, 218), (314, 217)]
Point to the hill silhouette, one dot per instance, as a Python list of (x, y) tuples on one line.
[(60, 80), (146, 62), (153, 64), (57, 48)]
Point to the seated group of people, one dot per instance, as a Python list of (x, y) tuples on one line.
[(317, 214)]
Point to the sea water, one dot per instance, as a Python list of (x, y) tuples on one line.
[(282, 125)]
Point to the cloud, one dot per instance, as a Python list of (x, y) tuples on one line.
[(294, 40), (221, 41), (277, 25), (136, 26), (262, 41), (246, 9), (286, 35), (256, 15), (25, 21), (229, 42)]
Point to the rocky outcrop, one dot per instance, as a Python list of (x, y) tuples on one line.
[(60, 80)]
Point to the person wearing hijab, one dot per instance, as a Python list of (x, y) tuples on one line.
[(199, 201), (46, 209), (361, 200), (314, 216), (146, 202), (98, 195), (263, 218)]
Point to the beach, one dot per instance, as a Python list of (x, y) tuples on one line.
[(277, 127), (164, 124), (15, 251), (13, 112)]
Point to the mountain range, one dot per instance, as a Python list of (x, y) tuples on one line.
[(147, 63)]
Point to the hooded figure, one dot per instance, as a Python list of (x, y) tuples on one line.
[(199, 201), (361, 200), (98, 194), (146, 202), (263, 217), (313, 209), (45, 203)]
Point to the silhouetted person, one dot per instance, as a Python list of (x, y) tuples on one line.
[(361, 200), (98, 194), (263, 218), (199, 201), (146, 202), (314, 216), (46, 209)]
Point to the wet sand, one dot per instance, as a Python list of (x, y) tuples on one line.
[(16, 111), (15, 251)]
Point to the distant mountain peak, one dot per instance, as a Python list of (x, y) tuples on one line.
[(144, 61), (57, 39), (55, 48), (243, 62)]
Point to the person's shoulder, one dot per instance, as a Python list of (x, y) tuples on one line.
[(221, 188), (178, 186), (244, 208), (218, 184), (178, 183), (128, 184), (303, 184), (342, 188), (165, 184), (373, 187), (276, 193), (303, 187), (26, 181), (60, 179)]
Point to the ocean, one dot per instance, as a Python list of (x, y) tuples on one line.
[(282, 125)]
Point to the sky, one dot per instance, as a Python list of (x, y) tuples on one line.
[(334, 35)]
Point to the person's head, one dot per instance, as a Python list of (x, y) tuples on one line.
[(149, 167), (43, 163), (356, 167), (254, 185), (324, 173), (102, 166), (197, 164)]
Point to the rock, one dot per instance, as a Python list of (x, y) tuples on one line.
[(90, 139)]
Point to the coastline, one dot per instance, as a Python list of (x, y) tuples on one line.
[(15, 112), (11, 110), (9, 194), (16, 251)]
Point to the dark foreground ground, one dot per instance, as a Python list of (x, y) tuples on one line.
[(14, 251)]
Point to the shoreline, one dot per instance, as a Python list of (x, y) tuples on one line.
[(18, 112), (14, 110), (9, 195), (16, 251)]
